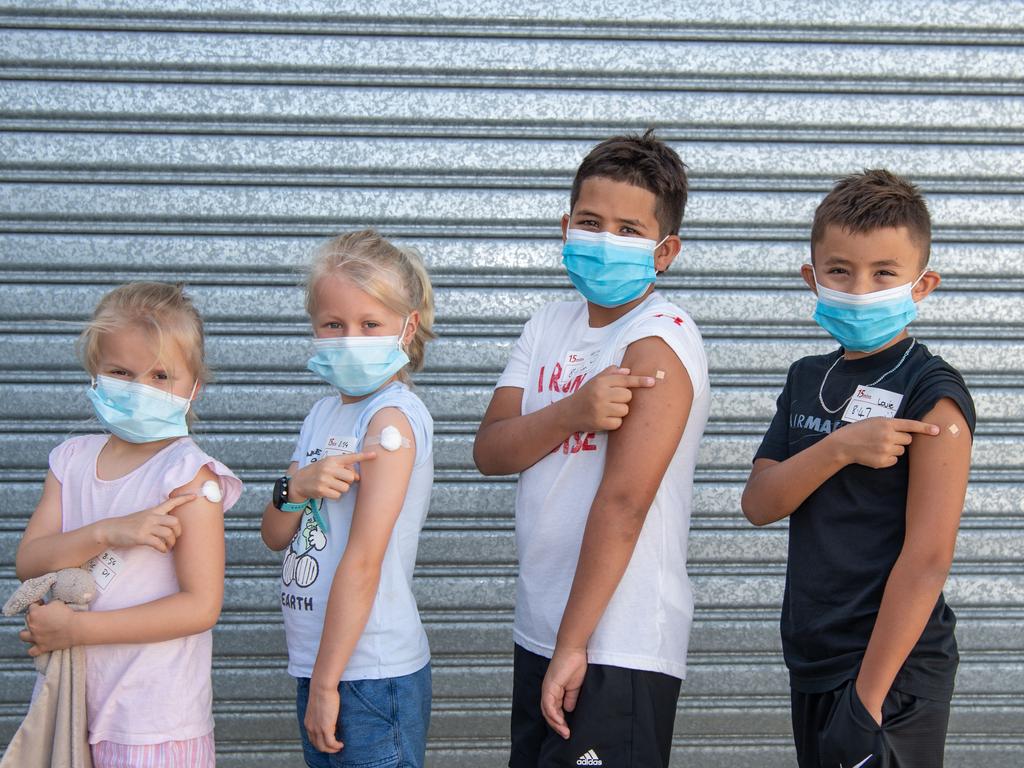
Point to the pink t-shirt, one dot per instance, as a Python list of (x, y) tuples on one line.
[(140, 693)]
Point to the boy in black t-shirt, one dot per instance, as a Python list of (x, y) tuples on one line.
[(868, 456)]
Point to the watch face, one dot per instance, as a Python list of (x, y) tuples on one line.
[(281, 491)]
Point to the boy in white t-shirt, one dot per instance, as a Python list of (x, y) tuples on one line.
[(601, 409)]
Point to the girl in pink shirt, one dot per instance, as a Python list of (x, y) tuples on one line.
[(143, 505)]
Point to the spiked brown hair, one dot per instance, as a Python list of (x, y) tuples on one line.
[(874, 199)]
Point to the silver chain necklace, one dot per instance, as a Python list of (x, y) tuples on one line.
[(821, 389)]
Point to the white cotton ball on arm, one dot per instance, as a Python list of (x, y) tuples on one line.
[(390, 438), (211, 490)]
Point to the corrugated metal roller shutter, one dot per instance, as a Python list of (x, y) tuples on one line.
[(216, 143)]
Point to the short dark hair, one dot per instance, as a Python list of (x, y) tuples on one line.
[(874, 199), (643, 161)]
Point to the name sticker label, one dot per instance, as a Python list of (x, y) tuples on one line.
[(339, 446), (868, 402), (578, 364), (104, 568)]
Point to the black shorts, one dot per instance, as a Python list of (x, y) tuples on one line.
[(834, 728), (623, 718)]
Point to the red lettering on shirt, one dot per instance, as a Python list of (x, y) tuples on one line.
[(556, 374), (575, 443), (675, 318), (554, 383), (572, 386)]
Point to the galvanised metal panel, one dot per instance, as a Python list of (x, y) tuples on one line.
[(219, 143)]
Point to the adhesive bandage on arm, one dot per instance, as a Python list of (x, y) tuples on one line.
[(953, 429), (390, 439)]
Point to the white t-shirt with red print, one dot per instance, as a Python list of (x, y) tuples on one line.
[(646, 625)]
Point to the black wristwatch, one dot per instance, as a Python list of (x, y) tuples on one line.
[(281, 496)]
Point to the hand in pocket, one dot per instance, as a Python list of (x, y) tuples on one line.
[(851, 737)]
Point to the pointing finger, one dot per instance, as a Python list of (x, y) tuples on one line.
[(909, 425), (354, 458), (633, 381), (176, 501)]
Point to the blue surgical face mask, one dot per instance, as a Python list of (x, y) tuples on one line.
[(609, 270), (358, 365), (866, 321), (139, 413)]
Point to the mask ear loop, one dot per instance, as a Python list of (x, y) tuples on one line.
[(913, 284), (195, 386), (654, 251), (401, 336)]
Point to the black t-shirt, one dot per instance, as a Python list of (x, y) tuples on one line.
[(846, 536)]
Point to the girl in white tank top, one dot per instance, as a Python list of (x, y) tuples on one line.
[(349, 511)]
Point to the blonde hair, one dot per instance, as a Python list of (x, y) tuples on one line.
[(395, 276), (161, 310)]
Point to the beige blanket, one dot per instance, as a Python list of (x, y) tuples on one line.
[(54, 733)]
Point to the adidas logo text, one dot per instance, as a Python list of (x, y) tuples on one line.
[(589, 758)]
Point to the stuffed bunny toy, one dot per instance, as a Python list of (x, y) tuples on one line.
[(54, 732)]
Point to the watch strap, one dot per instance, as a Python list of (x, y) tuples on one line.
[(315, 506)]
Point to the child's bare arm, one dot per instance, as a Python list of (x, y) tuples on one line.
[(509, 442), (199, 566), (638, 456), (382, 492), (325, 479), (939, 467), (45, 547), (775, 489)]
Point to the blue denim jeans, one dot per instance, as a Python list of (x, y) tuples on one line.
[(383, 723)]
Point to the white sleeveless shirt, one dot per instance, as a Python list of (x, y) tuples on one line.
[(646, 625), (393, 642)]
